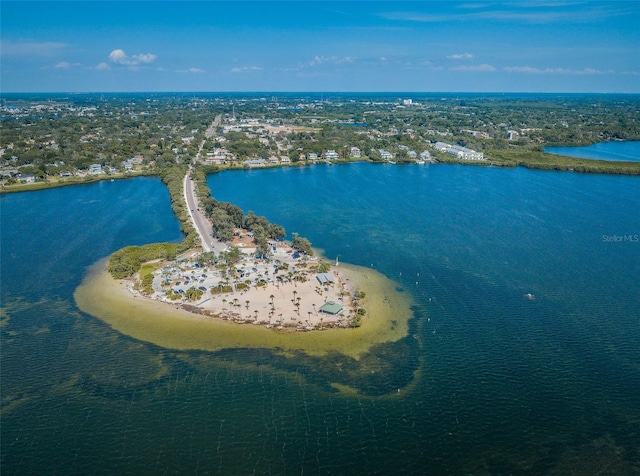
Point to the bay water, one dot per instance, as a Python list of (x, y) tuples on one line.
[(522, 358), (627, 151)]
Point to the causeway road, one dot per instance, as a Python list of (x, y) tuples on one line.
[(200, 222)]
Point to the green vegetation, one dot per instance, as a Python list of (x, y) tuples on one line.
[(173, 178), (127, 261), (146, 278), (193, 294), (58, 140), (537, 159), (302, 245)]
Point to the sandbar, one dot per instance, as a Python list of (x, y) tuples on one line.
[(169, 325)]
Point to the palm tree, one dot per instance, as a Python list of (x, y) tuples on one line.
[(247, 302), (256, 311), (272, 296)]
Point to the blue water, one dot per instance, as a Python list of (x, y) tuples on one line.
[(612, 151), (491, 382)]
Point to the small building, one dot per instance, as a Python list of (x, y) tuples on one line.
[(325, 278), (355, 152), (425, 155), (331, 308)]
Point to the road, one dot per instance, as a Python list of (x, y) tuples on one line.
[(200, 222)]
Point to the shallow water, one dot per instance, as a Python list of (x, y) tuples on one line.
[(490, 382)]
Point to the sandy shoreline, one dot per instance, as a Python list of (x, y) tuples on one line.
[(296, 304), (169, 325)]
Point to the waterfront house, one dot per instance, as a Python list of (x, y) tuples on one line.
[(27, 178), (385, 155), (95, 169), (331, 155)]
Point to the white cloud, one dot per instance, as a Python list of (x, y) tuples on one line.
[(63, 65), (118, 56), (461, 56), (534, 70), (102, 66), (319, 60), (246, 69), (482, 68), (533, 12), (191, 70)]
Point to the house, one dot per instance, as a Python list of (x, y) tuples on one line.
[(385, 155), (95, 169), (27, 178), (313, 157), (355, 152), (331, 155), (254, 163), (284, 159), (425, 155)]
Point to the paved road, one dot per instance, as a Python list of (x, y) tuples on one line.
[(200, 222)]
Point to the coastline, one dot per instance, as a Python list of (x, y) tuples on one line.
[(168, 325)]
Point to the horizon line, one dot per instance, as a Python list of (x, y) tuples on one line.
[(317, 92)]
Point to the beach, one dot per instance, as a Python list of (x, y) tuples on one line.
[(171, 325), (284, 292)]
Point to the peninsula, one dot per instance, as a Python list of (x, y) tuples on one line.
[(248, 278), (235, 271)]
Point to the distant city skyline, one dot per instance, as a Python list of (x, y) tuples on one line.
[(522, 46)]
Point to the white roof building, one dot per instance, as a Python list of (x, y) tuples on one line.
[(458, 151), (331, 154)]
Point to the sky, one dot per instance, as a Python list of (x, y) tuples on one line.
[(347, 46)]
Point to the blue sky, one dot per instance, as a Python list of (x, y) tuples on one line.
[(475, 46)]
